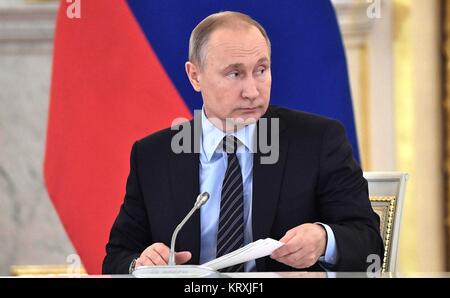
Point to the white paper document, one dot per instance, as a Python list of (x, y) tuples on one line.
[(254, 250)]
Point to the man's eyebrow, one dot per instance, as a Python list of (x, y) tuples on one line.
[(233, 66), (264, 59), (241, 65)]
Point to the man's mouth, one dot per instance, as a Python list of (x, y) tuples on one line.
[(249, 109)]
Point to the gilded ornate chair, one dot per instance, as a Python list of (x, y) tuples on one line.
[(386, 193)]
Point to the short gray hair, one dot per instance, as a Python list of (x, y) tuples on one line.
[(202, 32)]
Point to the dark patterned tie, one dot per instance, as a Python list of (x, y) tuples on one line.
[(230, 235)]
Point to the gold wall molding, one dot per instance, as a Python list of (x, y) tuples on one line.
[(404, 122), (446, 51), (418, 128)]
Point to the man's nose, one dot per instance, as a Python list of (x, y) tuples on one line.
[(250, 89)]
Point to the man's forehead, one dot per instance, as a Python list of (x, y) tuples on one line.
[(236, 51), (245, 38), (232, 46), (238, 57), (238, 48)]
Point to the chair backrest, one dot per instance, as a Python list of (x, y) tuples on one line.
[(386, 193)]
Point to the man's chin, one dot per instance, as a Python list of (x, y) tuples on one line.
[(248, 117), (233, 124), (246, 120)]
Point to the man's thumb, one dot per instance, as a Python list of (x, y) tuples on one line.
[(182, 257)]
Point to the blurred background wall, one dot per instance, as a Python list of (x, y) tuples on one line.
[(396, 57), (30, 230)]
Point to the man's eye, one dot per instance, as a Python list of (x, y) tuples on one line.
[(261, 71), (233, 74)]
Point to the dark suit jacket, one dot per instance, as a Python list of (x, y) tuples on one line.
[(315, 179)]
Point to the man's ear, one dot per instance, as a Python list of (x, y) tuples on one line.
[(192, 72)]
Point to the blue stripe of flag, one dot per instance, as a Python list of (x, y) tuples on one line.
[(309, 70)]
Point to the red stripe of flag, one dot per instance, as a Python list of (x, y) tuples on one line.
[(108, 89)]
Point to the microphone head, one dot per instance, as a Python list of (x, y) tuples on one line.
[(201, 199)]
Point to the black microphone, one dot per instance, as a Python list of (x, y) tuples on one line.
[(201, 200)]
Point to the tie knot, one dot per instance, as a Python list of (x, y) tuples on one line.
[(230, 144)]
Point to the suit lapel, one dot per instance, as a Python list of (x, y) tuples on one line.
[(267, 179), (185, 182)]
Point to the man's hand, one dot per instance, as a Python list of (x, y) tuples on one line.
[(303, 245), (158, 254)]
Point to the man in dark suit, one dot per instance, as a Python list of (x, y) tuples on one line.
[(309, 193)]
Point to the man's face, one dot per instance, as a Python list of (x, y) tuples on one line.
[(235, 79)]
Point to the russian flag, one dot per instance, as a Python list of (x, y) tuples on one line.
[(118, 75)]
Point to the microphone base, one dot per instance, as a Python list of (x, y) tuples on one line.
[(175, 271)]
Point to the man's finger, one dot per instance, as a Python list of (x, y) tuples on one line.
[(291, 260), (182, 257), (156, 258), (295, 259), (163, 252), (291, 246), (146, 261), (288, 236), (307, 260), (282, 250)]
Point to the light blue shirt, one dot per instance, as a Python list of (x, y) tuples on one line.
[(213, 164)]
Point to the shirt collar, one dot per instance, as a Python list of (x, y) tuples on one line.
[(212, 136)]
